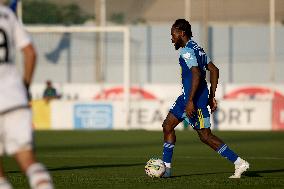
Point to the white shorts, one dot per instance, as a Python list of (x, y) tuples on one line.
[(16, 132)]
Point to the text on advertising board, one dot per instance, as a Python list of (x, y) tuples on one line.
[(93, 116)]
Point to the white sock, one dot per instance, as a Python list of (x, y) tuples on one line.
[(39, 177), (238, 161), (168, 165), (5, 184)]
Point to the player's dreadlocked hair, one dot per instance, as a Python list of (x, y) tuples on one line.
[(183, 25)]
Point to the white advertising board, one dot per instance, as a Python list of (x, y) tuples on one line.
[(61, 115), (106, 115), (243, 115), (148, 115)]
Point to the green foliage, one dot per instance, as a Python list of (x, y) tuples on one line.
[(139, 21), (72, 14), (40, 12), (45, 12), (117, 18)]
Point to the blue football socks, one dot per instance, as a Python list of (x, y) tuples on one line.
[(226, 152), (168, 152)]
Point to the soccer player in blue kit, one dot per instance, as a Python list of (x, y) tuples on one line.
[(191, 105)]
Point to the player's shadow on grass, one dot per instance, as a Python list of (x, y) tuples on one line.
[(247, 174), (66, 168), (80, 147), (256, 173), (197, 174)]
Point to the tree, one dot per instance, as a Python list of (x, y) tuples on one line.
[(45, 12)]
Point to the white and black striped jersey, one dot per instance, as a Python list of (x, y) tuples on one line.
[(12, 36)]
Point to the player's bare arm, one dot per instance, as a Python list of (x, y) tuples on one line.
[(214, 76), (190, 109), (29, 66), (29, 63)]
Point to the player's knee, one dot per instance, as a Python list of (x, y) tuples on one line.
[(167, 130), (204, 138), (39, 177), (165, 123)]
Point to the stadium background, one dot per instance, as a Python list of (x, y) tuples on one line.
[(97, 136), (90, 69)]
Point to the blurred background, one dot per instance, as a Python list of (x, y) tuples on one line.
[(113, 65)]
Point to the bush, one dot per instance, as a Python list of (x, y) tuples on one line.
[(45, 12)]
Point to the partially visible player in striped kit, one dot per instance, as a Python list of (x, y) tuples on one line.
[(16, 134), (192, 104)]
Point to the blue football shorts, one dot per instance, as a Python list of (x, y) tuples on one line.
[(201, 118)]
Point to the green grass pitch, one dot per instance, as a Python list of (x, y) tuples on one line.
[(116, 159)]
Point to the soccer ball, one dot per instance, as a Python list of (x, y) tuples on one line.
[(155, 167)]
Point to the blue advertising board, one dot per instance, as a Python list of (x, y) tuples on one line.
[(93, 116)]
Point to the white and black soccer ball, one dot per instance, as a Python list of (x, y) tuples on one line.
[(155, 167)]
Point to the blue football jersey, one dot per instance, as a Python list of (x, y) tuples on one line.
[(193, 55)]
